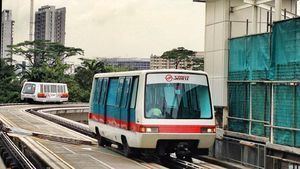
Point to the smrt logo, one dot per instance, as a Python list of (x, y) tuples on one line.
[(170, 78)]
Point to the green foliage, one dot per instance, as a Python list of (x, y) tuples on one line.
[(46, 63), (80, 90), (41, 51), (45, 60), (85, 73), (197, 63), (178, 55), (9, 84)]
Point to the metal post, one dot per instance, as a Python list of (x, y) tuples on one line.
[(31, 21), (257, 160), (0, 25), (250, 109), (284, 13), (254, 19), (247, 25), (268, 21), (272, 114), (271, 18)]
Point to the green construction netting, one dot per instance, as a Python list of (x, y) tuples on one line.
[(239, 106), (249, 57), (286, 49), (261, 98), (297, 117), (238, 126), (284, 114), (238, 95)]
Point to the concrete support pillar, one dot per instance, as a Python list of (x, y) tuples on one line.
[(225, 118), (278, 7), (254, 19)]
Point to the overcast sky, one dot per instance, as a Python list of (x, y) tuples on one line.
[(121, 28)]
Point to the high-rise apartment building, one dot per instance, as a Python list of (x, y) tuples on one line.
[(50, 24), (6, 33)]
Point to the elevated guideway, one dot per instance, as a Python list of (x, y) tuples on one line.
[(49, 141)]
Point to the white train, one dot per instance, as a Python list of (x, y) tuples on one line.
[(44, 92), (166, 111)]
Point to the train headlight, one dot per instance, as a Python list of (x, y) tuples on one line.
[(149, 129), (208, 130)]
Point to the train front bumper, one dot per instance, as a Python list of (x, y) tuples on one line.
[(149, 140)]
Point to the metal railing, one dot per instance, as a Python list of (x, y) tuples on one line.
[(12, 155), (241, 152)]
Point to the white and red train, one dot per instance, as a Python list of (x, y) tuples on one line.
[(168, 111), (44, 92)]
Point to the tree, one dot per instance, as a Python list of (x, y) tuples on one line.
[(45, 59), (178, 55), (196, 63), (9, 85), (44, 51), (85, 73), (81, 89)]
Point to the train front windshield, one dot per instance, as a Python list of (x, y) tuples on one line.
[(29, 88), (177, 96)]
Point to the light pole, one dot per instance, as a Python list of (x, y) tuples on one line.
[(31, 21), (1, 27)]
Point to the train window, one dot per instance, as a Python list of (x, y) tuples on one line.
[(46, 88), (120, 89), (62, 88), (104, 91), (99, 90), (53, 89), (125, 92), (59, 89), (29, 88), (177, 100), (134, 92), (112, 91), (96, 90), (41, 88)]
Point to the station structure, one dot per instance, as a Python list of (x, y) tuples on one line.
[(57, 136), (256, 133)]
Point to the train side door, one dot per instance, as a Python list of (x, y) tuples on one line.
[(132, 103), (119, 101), (124, 107), (95, 104), (98, 91), (102, 101), (112, 104)]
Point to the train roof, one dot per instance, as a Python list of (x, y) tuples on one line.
[(140, 72), (46, 83)]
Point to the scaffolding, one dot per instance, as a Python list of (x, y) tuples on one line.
[(264, 84)]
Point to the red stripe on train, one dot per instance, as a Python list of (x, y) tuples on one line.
[(161, 128)]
